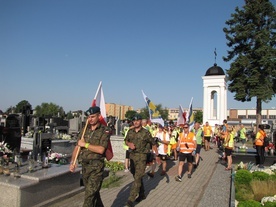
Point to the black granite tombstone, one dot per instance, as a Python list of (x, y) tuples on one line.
[(11, 133), (42, 143)]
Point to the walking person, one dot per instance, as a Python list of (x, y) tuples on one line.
[(173, 142), (216, 135), (242, 133), (146, 124), (186, 144), (93, 142), (207, 130), (137, 140), (130, 125), (223, 131), (259, 143), (197, 130), (229, 146), (163, 139)]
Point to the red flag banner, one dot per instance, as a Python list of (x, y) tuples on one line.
[(100, 102)]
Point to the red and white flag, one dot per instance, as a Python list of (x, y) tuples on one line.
[(100, 102), (181, 119)]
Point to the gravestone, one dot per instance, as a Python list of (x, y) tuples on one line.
[(11, 133), (42, 143)]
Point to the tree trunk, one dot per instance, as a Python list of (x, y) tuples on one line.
[(258, 113)]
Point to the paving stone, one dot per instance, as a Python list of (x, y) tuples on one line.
[(209, 186)]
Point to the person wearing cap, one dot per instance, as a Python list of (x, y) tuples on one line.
[(93, 142), (187, 145), (137, 140)]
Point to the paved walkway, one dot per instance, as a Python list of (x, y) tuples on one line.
[(209, 186)]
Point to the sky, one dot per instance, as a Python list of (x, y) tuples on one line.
[(58, 51)]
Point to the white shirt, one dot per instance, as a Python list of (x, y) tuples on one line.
[(161, 145)]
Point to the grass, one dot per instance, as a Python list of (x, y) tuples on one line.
[(111, 181), (262, 188), (254, 186)]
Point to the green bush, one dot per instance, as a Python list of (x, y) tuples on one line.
[(269, 204), (258, 175), (249, 203), (243, 177)]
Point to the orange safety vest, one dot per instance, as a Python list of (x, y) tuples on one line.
[(223, 134), (189, 140), (260, 138)]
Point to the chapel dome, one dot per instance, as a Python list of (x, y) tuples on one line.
[(214, 70)]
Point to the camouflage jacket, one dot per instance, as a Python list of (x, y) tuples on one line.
[(140, 139), (100, 136)]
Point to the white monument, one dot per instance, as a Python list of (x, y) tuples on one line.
[(214, 96)]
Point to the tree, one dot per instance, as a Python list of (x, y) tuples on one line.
[(251, 38), (21, 106), (198, 116), (49, 109), (10, 110), (130, 114), (69, 115)]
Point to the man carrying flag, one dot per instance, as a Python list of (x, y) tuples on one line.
[(91, 149)]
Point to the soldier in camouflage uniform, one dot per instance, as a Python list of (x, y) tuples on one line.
[(137, 139), (92, 155)]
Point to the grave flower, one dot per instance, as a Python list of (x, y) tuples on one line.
[(55, 157), (66, 136), (4, 149), (59, 158)]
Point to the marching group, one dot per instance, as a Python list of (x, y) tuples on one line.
[(182, 143), (148, 144)]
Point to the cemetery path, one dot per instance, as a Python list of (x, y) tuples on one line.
[(209, 186)]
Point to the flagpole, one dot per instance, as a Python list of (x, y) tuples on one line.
[(191, 102), (97, 92), (78, 150)]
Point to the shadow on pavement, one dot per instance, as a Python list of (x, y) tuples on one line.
[(150, 184)]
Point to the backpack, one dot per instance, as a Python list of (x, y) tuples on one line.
[(266, 141)]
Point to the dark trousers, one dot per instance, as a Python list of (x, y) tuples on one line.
[(260, 155), (137, 169)]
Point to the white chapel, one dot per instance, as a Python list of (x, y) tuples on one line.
[(214, 96)]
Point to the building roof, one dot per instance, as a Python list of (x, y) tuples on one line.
[(214, 70)]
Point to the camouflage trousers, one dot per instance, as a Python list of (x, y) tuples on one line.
[(92, 174), (137, 168)]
